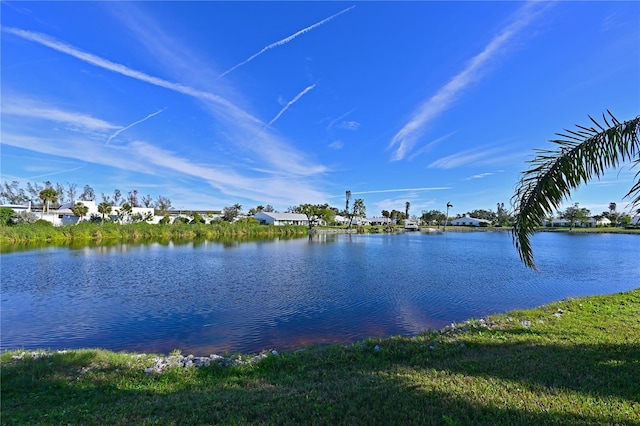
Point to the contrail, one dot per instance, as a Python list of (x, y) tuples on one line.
[(333, 122), (56, 173), (122, 69), (381, 191), (286, 40), (407, 137), (291, 102), (133, 124)]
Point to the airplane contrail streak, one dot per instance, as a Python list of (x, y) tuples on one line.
[(291, 102), (133, 124), (285, 40)]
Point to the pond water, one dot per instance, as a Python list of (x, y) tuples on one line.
[(210, 297)]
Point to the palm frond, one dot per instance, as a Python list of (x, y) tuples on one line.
[(580, 156)]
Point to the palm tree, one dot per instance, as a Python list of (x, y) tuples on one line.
[(359, 209), (80, 210), (580, 155), (446, 217), (613, 216), (346, 206), (124, 213), (104, 208), (48, 195), (406, 210)]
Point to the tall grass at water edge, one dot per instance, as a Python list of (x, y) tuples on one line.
[(34, 233)]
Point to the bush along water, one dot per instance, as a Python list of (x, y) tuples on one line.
[(97, 232)]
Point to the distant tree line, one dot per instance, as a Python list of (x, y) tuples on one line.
[(53, 195), (576, 215)]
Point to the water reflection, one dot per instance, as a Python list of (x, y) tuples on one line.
[(213, 296), (117, 244), (323, 238)]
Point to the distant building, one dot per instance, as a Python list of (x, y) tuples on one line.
[(470, 221), (411, 226), (377, 221), (603, 221), (589, 223), (560, 222), (280, 219), (65, 216)]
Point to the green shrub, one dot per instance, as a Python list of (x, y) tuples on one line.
[(197, 218), (6, 214)]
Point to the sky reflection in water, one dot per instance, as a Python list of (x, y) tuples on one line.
[(210, 297)]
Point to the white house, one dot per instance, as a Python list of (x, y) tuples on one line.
[(340, 220), (64, 215), (280, 219), (377, 221), (560, 222), (470, 221), (603, 221)]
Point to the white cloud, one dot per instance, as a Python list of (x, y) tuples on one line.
[(381, 191), (23, 107), (242, 126), (336, 145), (146, 158), (428, 147), (612, 21), (333, 122), (479, 176), (399, 203), (407, 137), (124, 70), (349, 125), (461, 159), (478, 157)]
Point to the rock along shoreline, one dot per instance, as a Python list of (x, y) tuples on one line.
[(161, 363)]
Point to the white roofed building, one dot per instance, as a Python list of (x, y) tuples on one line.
[(281, 219), (470, 221)]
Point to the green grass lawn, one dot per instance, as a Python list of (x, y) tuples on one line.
[(570, 362), (600, 230)]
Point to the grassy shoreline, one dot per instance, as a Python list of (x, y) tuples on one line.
[(575, 361), (108, 233)]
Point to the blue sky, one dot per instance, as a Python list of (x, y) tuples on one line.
[(282, 103)]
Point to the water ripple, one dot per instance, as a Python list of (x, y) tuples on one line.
[(253, 296)]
